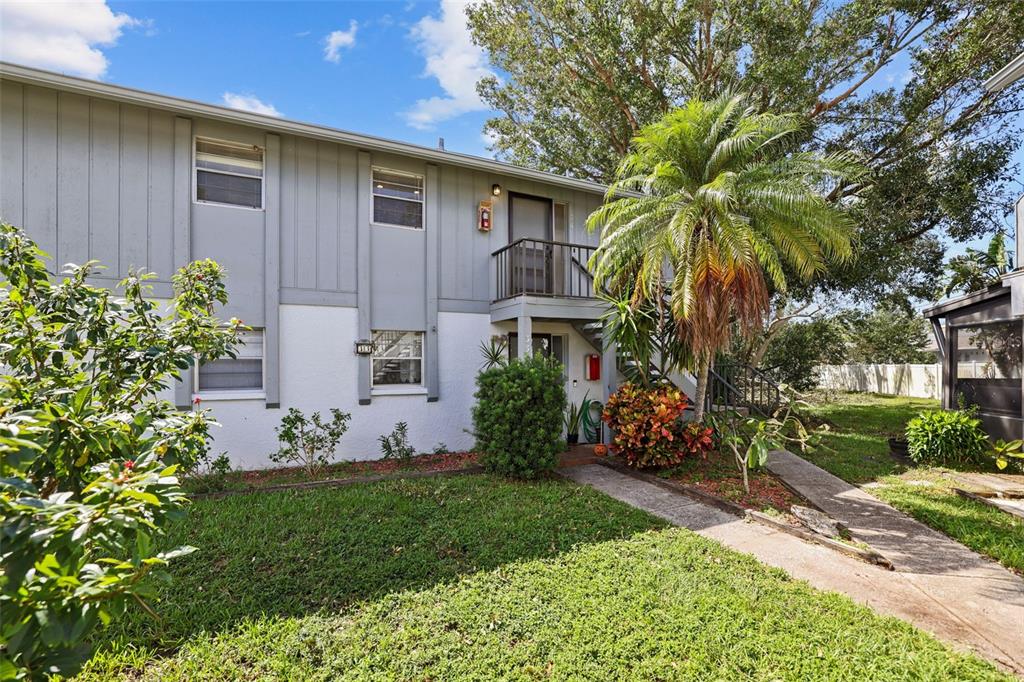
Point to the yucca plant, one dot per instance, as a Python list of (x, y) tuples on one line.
[(712, 205)]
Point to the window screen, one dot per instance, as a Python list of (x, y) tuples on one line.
[(243, 373), (397, 358), (988, 366), (229, 173), (397, 198)]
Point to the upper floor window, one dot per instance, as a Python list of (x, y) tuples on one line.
[(229, 173), (397, 198)]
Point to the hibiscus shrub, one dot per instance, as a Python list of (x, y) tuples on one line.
[(648, 427), (89, 452)]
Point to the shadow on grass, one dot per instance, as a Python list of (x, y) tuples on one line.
[(295, 553)]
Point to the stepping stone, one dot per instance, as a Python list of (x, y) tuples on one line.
[(819, 522)]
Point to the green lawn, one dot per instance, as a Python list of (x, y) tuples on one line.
[(856, 449), (857, 452), (477, 578)]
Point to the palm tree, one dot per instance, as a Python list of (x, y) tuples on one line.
[(713, 205), (975, 270)]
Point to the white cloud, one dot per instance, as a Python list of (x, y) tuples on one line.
[(338, 40), (250, 103), (61, 36), (451, 58)]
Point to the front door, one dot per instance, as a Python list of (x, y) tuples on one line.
[(530, 221), (547, 344)]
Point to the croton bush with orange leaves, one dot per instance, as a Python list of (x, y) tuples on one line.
[(648, 427)]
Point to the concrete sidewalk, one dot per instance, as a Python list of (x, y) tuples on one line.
[(986, 616)]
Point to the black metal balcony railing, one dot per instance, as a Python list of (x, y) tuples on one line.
[(540, 267)]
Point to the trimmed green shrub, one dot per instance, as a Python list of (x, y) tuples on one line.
[(517, 418), (949, 438)]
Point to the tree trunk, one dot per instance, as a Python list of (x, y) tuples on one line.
[(703, 365)]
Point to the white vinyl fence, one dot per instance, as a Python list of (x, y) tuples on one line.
[(915, 381)]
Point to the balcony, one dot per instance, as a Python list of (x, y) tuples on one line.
[(545, 279)]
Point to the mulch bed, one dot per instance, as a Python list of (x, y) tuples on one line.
[(717, 475), (238, 481)]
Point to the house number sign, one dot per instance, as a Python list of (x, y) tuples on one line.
[(364, 347)]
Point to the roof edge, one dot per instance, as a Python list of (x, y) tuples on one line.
[(942, 309), (1006, 76), (83, 86)]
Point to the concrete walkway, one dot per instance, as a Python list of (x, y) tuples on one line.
[(982, 612)]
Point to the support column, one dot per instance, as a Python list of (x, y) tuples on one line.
[(609, 374), (524, 324), (182, 226), (272, 273), (363, 269), (432, 225)]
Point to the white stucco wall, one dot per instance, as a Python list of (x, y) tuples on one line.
[(319, 371)]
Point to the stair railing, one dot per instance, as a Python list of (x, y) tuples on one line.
[(735, 385)]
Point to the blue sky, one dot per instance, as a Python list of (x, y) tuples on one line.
[(404, 70)]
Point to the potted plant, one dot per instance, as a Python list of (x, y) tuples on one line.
[(573, 416)]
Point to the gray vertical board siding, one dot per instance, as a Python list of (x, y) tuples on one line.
[(318, 217), (467, 272), (448, 198), (97, 181), (234, 238), (133, 240), (160, 258), (181, 192), (348, 218), (272, 268), (397, 278), (104, 188), (182, 227), (40, 164), (73, 180), (12, 171), (327, 217), (289, 238), (398, 261), (305, 213), (465, 235)]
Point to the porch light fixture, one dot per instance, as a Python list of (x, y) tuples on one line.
[(496, 189)]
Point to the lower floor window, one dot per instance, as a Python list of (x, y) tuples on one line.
[(241, 373), (397, 358)]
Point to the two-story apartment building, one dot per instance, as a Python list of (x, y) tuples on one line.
[(369, 270)]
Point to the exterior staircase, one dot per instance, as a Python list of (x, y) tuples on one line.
[(736, 386), (591, 331), (741, 388)]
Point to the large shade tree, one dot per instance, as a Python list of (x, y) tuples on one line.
[(898, 80), (712, 206)]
